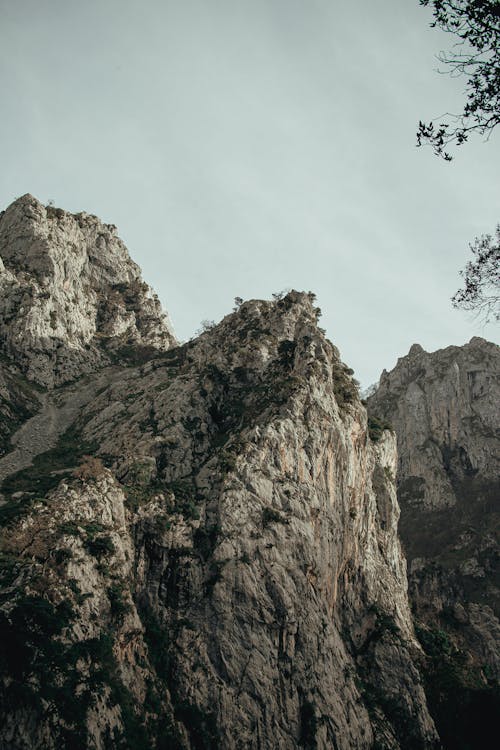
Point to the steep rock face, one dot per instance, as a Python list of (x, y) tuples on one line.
[(233, 578), (70, 296), (19, 400), (444, 408)]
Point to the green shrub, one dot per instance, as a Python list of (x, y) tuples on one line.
[(376, 428), (345, 387), (62, 555), (70, 528), (385, 622), (185, 502), (158, 641), (100, 545), (286, 352), (117, 600), (201, 726), (270, 515)]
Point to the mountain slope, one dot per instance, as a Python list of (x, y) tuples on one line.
[(206, 555)]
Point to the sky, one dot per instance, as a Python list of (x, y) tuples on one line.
[(243, 147)]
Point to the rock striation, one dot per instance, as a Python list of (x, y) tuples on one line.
[(444, 408), (204, 551), (71, 299)]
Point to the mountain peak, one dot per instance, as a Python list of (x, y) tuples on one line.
[(70, 295)]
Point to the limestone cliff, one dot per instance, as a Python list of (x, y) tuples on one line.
[(203, 551), (444, 408), (70, 296)]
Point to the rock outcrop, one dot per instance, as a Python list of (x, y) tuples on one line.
[(71, 299), (205, 552), (444, 408)]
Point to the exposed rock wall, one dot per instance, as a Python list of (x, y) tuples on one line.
[(444, 408), (70, 296), (233, 578)]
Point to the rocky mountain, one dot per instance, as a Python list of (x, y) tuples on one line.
[(71, 299), (199, 543), (444, 408)]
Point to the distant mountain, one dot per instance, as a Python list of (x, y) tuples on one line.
[(367, 392), (444, 408)]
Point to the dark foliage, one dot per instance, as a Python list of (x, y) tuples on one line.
[(481, 290), (476, 56), (270, 515), (376, 428), (308, 725), (465, 713)]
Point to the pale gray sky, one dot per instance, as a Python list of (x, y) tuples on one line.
[(246, 146)]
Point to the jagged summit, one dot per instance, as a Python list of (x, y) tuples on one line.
[(418, 360), (415, 350), (71, 298), (433, 400)]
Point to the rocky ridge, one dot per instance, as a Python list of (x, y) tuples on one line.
[(444, 408), (205, 553)]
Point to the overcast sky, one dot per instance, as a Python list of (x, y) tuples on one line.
[(247, 146)]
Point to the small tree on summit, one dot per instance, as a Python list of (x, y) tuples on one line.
[(476, 55)]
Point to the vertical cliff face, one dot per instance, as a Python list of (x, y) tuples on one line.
[(70, 296), (203, 550), (444, 408)]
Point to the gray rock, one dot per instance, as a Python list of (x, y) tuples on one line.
[(70, 296), (444, 408), (210, 557)]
